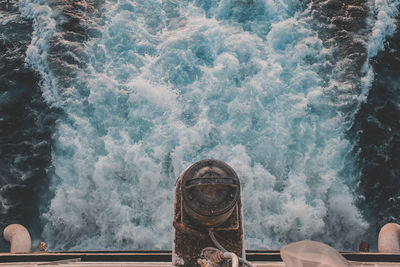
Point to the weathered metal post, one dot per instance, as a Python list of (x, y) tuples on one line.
[(19, 238), (207, 207), (389, 238)]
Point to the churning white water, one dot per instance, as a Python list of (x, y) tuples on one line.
[(163, 84)]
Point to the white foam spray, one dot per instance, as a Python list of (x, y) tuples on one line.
[(172, 82), (383, 20)]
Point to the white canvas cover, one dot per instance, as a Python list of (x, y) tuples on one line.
[(309, 253)]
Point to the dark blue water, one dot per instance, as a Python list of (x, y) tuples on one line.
[(104, 104), (26, 125), (377, 132)]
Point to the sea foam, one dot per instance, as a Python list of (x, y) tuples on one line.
[(169, 83)]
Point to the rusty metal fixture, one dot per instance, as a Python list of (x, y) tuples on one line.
[(207, 198), (212, 257), (42, 247), (363, 247), (210, 191)]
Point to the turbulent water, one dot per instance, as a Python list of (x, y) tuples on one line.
[(104, 103)]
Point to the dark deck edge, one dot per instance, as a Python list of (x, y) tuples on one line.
[(165, 256)]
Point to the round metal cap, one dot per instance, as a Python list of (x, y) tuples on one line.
[(210, 191)]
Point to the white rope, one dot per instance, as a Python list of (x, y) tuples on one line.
[(218, 245)]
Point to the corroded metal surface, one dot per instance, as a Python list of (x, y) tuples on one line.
[(210, 190), (190, 236)]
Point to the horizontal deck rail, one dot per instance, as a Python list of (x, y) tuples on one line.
[(165, 256)]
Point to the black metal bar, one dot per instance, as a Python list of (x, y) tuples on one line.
[(211, 180), (165, 256)]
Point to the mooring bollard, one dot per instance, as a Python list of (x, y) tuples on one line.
[(18, 237), (208, 213), (388, 239)]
